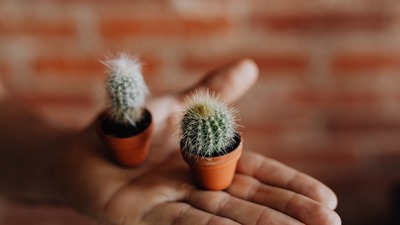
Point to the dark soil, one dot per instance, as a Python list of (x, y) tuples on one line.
[(120, 130)]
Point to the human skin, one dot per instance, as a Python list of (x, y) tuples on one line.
[(44, 164)]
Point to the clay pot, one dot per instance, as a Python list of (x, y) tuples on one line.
[(129, 145), (215, 173)]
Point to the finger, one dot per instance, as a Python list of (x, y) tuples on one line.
[(274, 173), (231, 81), (177, 213), (239, 210), (293, 204)]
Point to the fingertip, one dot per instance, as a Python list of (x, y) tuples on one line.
[(314, 189), (231, 81), (332, 202), (326, 196), (237, 80), (311, 212), (250, 69), (327, 216)]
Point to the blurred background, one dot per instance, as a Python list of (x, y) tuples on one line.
[(327, 101)]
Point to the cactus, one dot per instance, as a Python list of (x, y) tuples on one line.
[(126, 89), (208, 126)]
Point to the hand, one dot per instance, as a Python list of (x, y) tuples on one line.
[(161, 191)]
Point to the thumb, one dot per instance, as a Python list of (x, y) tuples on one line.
[(231, 81)]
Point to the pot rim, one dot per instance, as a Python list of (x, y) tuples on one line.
[(216, 161), (105, 114)]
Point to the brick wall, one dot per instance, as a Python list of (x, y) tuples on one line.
[(327, 101)]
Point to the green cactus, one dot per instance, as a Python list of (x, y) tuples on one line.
[(126, 89), (208, 126)]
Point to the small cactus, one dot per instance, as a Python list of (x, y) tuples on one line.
[(208, 126), (126, 89)]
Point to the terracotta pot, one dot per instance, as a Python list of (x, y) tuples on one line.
[(129, 150), (215, 173)]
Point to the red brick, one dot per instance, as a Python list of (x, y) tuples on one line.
[(150, 65), (266, 128), (68, 65), (352, 98), (328, 156), (4, 68), (304, 98), (361, 124), (360, 62), (389, 145), (49, 28), (163, 27), (87, 66), (324, 21), (205, 64), (297, 63), (41, 100), (334, 99), (279, 146)]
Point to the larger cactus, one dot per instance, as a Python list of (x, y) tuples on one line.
[(126, 89), (208, 126)]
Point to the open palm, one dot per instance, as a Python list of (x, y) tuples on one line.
[(161, 190)]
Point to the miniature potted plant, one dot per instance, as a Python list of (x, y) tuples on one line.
[(210, 143), (126, 126)]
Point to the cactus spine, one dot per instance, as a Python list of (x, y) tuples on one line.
[(208, 126), (126, 89)]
